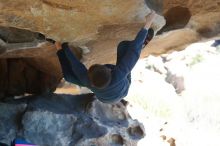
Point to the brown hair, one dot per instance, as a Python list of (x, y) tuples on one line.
[(99, 75)]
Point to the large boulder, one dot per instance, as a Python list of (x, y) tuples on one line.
[(100, 25), (82, 21), (73, 21), (64, 120)]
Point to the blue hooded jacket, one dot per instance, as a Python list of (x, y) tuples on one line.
[(75, 72)]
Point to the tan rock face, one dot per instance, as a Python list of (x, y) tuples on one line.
[(195, 7), (68, 20), (201, 16)]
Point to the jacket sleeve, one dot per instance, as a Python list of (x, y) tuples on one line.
[(132, 55), (76, 72)]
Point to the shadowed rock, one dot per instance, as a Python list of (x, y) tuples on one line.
[(136, 132), (176, 18), (67, 120), (117, 140), (19, 77)]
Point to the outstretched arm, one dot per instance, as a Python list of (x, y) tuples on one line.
[(140, 38), (128, 61), (74, 71)]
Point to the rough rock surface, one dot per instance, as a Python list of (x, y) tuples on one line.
[(198, 15), (64, 120), (68, 20), (10, 122), (82, 23)]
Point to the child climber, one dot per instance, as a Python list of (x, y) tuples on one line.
[(110, 83)]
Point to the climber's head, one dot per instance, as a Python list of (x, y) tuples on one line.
[(99, 76)]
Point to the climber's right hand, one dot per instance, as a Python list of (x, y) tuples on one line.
[(58, 45)]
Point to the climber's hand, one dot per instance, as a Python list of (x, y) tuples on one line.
[(149, 19), (58, 45)]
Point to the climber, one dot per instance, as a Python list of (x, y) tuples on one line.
[(110, 83)]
